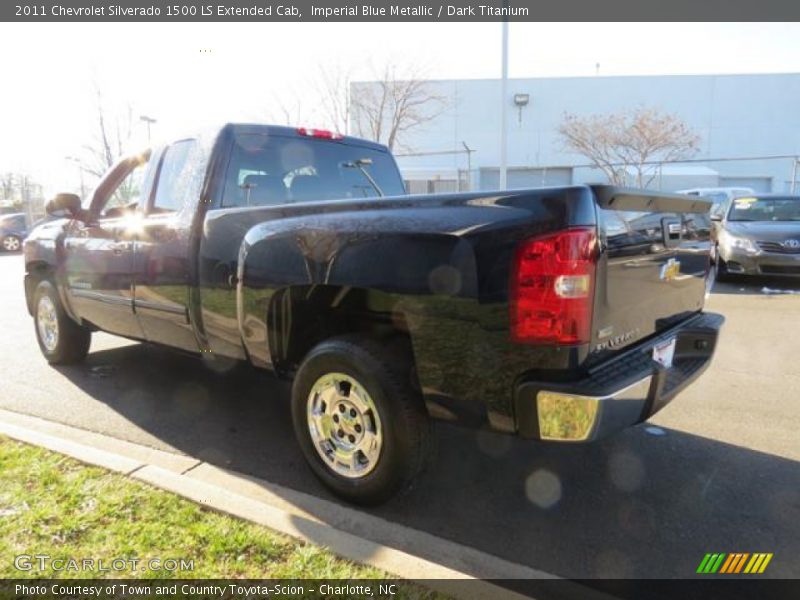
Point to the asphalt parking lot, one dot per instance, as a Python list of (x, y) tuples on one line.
[(717, 471)]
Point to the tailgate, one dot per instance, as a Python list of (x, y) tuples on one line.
[(652, 267)]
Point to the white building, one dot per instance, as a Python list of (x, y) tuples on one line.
[(749, 127)]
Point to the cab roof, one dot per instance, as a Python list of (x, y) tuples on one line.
[(301, 132)]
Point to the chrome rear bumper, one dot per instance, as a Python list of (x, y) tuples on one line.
[(622, 392)]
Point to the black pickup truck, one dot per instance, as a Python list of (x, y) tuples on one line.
[(559, 314)]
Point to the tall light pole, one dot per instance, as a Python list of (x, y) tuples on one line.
[(149, 121), (504, 107), (469, 152)]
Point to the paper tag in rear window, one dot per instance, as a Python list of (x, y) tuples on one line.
[(663, 352)]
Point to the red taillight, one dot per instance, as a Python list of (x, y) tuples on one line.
[(323, 134), (552, 286)]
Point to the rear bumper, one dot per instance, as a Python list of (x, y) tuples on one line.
[(619, 393)]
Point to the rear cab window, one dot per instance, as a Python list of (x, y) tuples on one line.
[(268, 169)]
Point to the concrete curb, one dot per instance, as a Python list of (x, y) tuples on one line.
[(299, 515)]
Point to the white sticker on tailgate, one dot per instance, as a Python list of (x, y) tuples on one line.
[(663, 352)]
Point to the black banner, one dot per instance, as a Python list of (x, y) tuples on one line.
[(379, 11), (705, 588)]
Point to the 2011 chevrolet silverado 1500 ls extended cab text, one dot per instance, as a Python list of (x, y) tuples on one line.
[(558, 314)]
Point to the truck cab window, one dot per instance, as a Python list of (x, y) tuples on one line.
[(120, 192), (173, 178), (272, 170)]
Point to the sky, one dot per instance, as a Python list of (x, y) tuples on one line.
[(188, 75)]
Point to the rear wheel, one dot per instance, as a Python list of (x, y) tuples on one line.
[(12, 243), (359, 420), (61, 340)]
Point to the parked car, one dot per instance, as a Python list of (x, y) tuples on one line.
[(719, 196), (547, 313), (759, 235), (13, 230)]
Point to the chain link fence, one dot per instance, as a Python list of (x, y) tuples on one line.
[(425, 172)]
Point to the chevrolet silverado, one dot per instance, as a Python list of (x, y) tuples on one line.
[(560, 314)]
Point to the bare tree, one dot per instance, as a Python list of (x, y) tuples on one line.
[(8, 185), (386, 109), (26, 188), (112, 138), (637, 140), (288, 110), (333, 88), (21, 192), (112, 135)]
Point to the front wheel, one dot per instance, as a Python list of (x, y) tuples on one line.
[(721, 273), (359, 420), (61, 340)]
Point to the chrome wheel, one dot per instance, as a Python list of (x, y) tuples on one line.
[(344, 425), (11, 244), (47, 323)]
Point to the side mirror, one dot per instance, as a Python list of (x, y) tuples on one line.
[(716, 217), (64, 205)]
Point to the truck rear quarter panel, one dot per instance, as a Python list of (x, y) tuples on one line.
[(436, 267)]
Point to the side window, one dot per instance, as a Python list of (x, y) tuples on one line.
[(121, 194), (173, 178), (128, 192)]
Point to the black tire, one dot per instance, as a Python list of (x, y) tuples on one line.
[(12, 243), (721, 273), (385, 373), (71, 342)]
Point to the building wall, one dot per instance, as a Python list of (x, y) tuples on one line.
[(734, 115)]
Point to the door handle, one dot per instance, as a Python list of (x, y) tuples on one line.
[(118, 248)]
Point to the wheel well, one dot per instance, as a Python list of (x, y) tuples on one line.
[(35, 272), (301, 317)]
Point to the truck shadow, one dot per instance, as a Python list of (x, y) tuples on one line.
[(647, 503)]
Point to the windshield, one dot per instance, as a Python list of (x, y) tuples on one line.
[(765, 209), (268, 170)]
